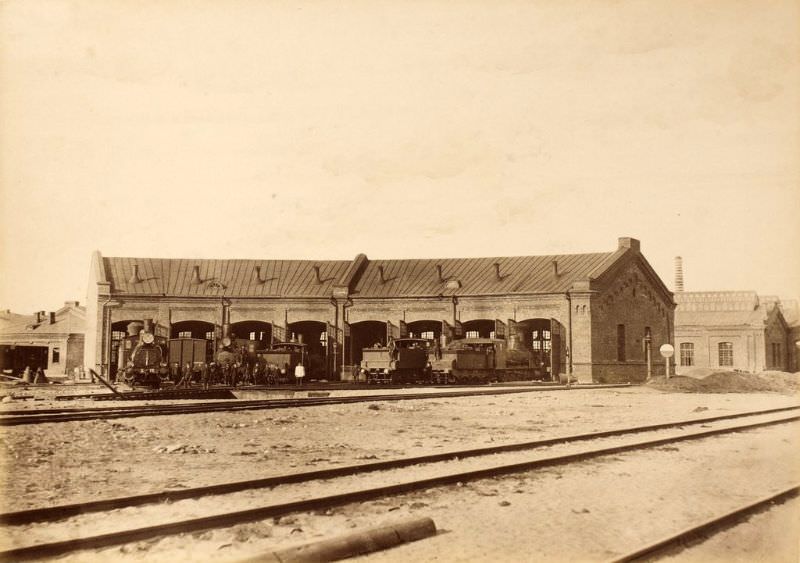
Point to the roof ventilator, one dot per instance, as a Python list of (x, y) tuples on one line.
[(196, 275), (498, 275), (320, 279), (135, 276), (382, 273), (259, 278), (555, 268)]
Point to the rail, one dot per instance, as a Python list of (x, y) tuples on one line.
[(57, 548)]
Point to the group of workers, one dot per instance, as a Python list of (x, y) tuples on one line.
[(232, 374), (36, 377)]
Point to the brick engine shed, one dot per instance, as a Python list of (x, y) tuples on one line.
[(580, 314)]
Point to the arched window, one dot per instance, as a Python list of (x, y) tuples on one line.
[(725, 354)]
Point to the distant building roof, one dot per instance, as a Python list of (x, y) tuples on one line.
[(69, 319), (791, 311), (722, 308), (7, 317), (719, 318)]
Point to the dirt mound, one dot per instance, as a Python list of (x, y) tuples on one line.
[(699, 373), (731, 382)]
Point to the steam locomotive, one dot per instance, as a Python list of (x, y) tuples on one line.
[(144, 356), (404, 360)]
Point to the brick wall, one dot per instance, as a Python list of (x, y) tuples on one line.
[(633, 301)]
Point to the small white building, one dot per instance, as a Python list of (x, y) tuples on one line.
[(730, 330), (53, 340)]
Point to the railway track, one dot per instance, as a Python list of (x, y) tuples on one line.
[(703, 529), (765, 418), (40, 416)]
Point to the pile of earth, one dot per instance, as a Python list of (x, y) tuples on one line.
[(731, 382)]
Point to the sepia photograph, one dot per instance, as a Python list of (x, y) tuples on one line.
[(399, 281)]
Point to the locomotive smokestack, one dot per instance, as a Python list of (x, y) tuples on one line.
[(135, 276), (678, 274), (196, 275), (148, 325)]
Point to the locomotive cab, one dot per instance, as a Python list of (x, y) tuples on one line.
[(281, 360), (404, 360)]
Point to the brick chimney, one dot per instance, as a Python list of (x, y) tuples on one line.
[(628, 242)]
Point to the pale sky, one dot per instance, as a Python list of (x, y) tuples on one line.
[(318, 130)]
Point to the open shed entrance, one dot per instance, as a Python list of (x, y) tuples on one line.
[(543, 338)]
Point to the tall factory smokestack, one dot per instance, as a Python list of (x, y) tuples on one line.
[(678, 274)]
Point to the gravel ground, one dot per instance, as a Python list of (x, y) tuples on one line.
[(77, 461)]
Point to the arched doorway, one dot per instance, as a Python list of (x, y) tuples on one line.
[(479, 328), (429, 329), (365, 334), (257, 332), (544, 340), (119, 330), (196, 329), (313, 334)]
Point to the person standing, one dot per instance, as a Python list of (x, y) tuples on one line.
[(299, 373), (39, 377), (204, 375), (187, 375), (234, 374)]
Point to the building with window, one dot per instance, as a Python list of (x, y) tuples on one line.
[(791, 313), (730, 330), (580, 314), (53, 341)]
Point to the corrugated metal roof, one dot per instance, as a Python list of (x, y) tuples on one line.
[(476, 276), (401, 278), (279, 278)]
